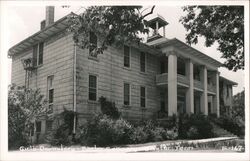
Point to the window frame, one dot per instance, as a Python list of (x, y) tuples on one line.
[(129, 56), (38, 53), (50, 87), (145, 97), (129, 94), (145, 62), (96, 88)]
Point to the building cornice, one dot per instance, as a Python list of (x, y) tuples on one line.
[(41, 35)]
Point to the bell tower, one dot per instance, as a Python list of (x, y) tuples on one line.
[(155, 25)]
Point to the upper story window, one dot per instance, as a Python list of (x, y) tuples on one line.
[(126, 92), (92, 87), (181, 66), (50, 87), (142, 62), (126, 51), (93, 43), (143, 96), (38, 54), (196, 73)]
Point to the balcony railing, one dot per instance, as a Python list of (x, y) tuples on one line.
[(182, 79), (162, 78), (211, 88), (198, 84)]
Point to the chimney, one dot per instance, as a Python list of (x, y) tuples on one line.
[(42, 24), (49, 18)]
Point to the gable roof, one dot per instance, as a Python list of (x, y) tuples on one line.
[(41, 35)]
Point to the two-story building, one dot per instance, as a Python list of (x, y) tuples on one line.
[(155, 79)]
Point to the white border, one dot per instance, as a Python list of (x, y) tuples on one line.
[(114, 156)]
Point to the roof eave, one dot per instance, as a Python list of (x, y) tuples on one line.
[(40, 35)]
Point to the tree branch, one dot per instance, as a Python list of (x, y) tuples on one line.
[(152, 10)]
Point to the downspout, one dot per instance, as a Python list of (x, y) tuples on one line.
[(74, 81)]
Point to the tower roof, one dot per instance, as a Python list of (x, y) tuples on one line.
[(161, 21)]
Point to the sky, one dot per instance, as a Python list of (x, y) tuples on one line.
[(19, 22)]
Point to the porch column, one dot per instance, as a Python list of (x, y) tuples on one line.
[(172, 84), (204, 102), (217, 95), (190, 91)]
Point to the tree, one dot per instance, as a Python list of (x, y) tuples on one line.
[(114, 25), (24, 105), (239, 105), (221, 24)]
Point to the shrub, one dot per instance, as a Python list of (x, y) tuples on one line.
[(103, 131), (108, 108), (63, 134), (171, 134), (232, 125), (193, 133), (197, 121), (138, 135)]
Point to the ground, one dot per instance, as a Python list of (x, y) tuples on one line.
[(220, 144)]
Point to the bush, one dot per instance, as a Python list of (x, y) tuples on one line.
[(171, 134), (138, 135), (63, 134), (196, 126), (232, 125), (193, 133), (103, 131), (108, 108)]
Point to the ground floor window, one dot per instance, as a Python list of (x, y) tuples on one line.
[(143, 96), (92, 87), (126, 93)]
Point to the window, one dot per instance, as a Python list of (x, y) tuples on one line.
[(126, 56), (196, 73), (92, 87), (126, 91), (38, 54), (93, 43), (49, 124), (181, 68), (50, 92), (40, 58), (143, 96), (38, 126), (143, 62)]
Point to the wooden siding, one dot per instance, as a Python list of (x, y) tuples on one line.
[(111, 75), (57, 61)]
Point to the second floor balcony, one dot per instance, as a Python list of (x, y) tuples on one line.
[(162, 80)]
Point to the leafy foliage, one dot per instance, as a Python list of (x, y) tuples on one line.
[(103, 131), (112, 24), (63, 134), (24, 105), (221, 24), (195, 126), (108, 108)]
